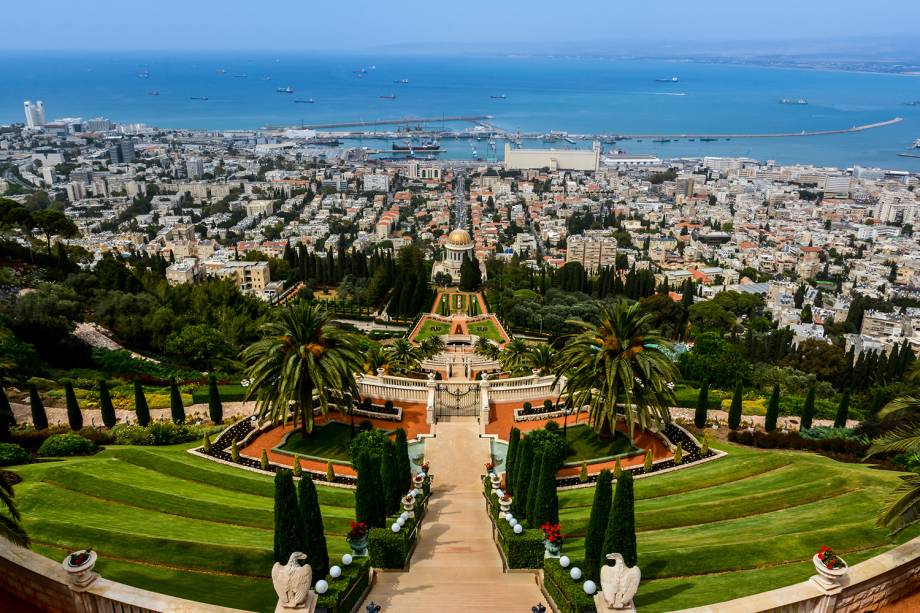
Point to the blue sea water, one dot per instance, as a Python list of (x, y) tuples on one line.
[(578, 95)]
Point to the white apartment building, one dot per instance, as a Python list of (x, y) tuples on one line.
[(594, 250)]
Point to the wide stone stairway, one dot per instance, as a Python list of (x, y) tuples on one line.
[(456, 565)]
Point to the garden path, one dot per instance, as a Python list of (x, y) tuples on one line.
[(456, 562)]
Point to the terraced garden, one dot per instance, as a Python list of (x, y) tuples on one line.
[(165, 520), (487, 329), (431, 328), (743, 524)]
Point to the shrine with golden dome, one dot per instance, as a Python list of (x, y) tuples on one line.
[(458, 244)]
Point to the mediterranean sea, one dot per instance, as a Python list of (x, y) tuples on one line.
[(541, 94)]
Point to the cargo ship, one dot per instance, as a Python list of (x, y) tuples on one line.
[(388, 97), (307, 101), (794, 101), (671, 80), (409, 145), (285, 90)]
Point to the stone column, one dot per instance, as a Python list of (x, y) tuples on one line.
[(429, 409), (484, 399)]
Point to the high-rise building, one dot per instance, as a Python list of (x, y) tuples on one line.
[(595, 249), (194, 168), (122, 152), (39, 113), (31, 114)]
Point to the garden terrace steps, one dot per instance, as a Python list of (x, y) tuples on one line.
[(456, 559)]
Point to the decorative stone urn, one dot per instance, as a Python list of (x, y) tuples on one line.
[(496, 481), (504, 504), (418, 480), (79, 566), (828, 578), (358, 547), (409, 505), (551, 549)]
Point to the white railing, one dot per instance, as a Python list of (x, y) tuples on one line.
[(396, 389), (520, 389)]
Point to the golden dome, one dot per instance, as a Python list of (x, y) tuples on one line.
[(459, 237)]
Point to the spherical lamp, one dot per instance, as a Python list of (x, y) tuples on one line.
[(518, 528), (346, 559), (321, 586), (575, 573), (590, 587), (335, 572), (564, 561)]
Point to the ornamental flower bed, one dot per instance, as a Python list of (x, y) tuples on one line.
[(552, 533), (829, 559)]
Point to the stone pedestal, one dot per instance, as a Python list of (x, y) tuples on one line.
[(601, 605), (82, 576), (309, 606)]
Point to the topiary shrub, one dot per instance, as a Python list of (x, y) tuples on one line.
[(263, 460), (390, 549), (11, 453), (527, 407), (344, 593), (368, 441), (206, 443), (68, 444), (133, 435), (568, 594), (330, 472), (547, 405), (649, 461), (298, 469), (235, 452), (583, 474)]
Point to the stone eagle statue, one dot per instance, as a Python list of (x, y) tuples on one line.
[(292, 581), (619, 583)]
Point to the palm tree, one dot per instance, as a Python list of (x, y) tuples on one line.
[(901, 508), (403, 356), (513, 355), (10, 528), (431, 346), (540, 357), (486, 348), (376, 357), (618, 366), (300, 355)]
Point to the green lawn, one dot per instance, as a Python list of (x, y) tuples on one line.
[(487, 329), (164, 520), (431, 328), (328, 442), (584, 444), (742, 524)]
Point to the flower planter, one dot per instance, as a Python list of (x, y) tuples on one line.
[(552, 550), (828, 578), (496, 481), (409, 505), (358, 547), (504, 505), (417, 481), (81, 574)]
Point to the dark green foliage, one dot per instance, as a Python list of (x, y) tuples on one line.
[(808, 409), (533, 488), (140, 405), (702, 406), (105, 405), (74, 416), (470, 274), (621, 526), (734, 411), (523, 468), (389, 549), (371, 441), (344, 592), (514, 440), (68, 444), (569, 596), (215, 407), (289, 532), (6, 416), (597, 525), (11, 453), (769, 423), (403, 464), (369, 500), (550, 442), (176, 408), (546, 507), (389, 478), (39, 417), (842, 411), (314, 538), (523, 550)]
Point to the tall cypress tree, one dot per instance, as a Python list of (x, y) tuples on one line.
[(533, 489), (215, 407), (522, 478), (808, 410), (6, 416), (368, 492), (140, 405), (389, 478), (546, 508), (621, 526), (105, 405), (769, 422), (176, 408), (702, 406), (312, 519), (74, 416), (403, 464), (39, 417), (597, 524), (514, 440), (289, 533), (734, 411), (843, 410)]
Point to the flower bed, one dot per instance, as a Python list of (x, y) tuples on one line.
[(524, 550), (345, 593), (567, 593), (529, 412)]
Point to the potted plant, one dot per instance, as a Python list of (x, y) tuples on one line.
[(409, 504), (830, 567), (357, 539), (79, 566), (552, 540), (425, 467), (504, 503), (490, 466)]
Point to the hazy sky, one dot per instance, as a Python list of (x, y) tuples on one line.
[(362, 24)]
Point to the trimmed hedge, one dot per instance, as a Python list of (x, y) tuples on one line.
[(11, 453), (228, 393), (68, 444), (792, 440), (567, 593), (524, 550), (390, 549), (344, 593)]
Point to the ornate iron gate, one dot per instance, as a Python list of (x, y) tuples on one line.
[(457, 399)]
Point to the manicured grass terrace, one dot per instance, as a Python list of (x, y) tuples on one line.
[(584, 444), (329, 442), (431, 328), (487, 329), (165, 520)]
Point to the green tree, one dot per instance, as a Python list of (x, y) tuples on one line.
[(140, 405), (74, 416), (597, 525), (514, 440), (215, 406), (808, 410), (10, 527), (734, 411), (299, 356), (289, 527), (523, 468), (51, 222), (619, 362), (176, 408), (702, 406), (901, 508), (105, 405), (843, 410), (769, 422), (312, 520), (404, 464), (546, 509), (39, 416), (389, 478), (709, 315), (6, 416), (621, 527), (533, 489), (369, 506)]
